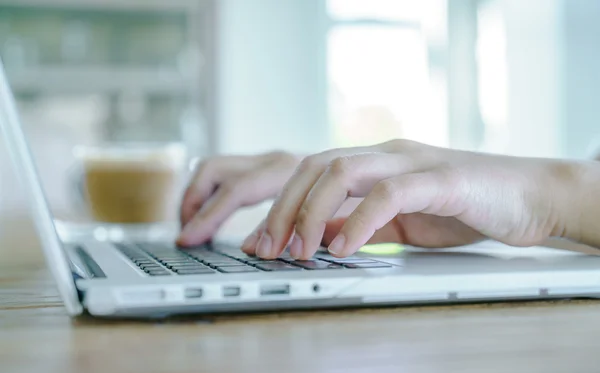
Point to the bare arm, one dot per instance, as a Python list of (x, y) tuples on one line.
[(585, 197)]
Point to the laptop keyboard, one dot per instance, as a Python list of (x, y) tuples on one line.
[(162, 260)]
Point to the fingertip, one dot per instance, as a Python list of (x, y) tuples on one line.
[(307, 253), (249, 244), (296, 247), (337, 247), (192, 235), (181, 242), (187, 241), (249, 250)]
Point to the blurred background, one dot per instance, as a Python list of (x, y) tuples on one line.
[(246, 76)]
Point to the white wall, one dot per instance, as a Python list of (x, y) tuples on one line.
[(582, 71), (535, 77), (554, 77), (272, 76)]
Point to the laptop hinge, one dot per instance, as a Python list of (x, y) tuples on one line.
[(83, 266)]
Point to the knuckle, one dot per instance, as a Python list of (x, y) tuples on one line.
[(283, 157), (303, 218), (386, 190), (399, 145), (310, 163), (231, 187), (340, 167)]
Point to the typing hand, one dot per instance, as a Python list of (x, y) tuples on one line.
[(418, 195), (222, 185)]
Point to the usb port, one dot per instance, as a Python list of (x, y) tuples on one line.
[(275, 290), (231, 291), (192, 293)]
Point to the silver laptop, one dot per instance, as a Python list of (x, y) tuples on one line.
[(155, 279)]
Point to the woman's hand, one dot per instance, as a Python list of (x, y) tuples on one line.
[(419, 195), (222, 185)]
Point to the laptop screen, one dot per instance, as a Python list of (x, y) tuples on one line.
[(26, 172)]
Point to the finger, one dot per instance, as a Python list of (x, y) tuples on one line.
[(249, 244), (280, 220), (352, 176), (207, 220), (282, 215), (229, 197), (348, 206), (410, 193), (207, 176), (389, 232), (332, 229)]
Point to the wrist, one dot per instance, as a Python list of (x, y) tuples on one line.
[(581, 200)]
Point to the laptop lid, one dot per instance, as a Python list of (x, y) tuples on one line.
[(25, 169)]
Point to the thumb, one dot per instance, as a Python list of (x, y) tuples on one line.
[(387, 234)]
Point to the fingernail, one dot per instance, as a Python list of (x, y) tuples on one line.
[(250, 242), (337, 245), (296, 247), (263, 248)]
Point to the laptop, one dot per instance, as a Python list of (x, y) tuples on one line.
[(156, 279)]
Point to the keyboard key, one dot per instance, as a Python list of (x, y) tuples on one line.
[(164, 252), (350, 260), (183, 268), (315, 264), (188, 266), (151, 267), (225, 264), (277, 266), (221, 260), (241, 256), (208, 260), (220, 247), (173, 257), (198, 271), (158, 273), (178, 261), (195, 248), (238, 269), (144, 260), (261, 261), (368, 265), (185, 264)]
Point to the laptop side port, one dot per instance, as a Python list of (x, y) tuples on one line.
[(268, 290), (193, 293), (231, 291)]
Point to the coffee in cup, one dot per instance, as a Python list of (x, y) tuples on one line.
[(132, 183)]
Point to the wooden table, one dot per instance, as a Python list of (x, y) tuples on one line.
[(36, 335)]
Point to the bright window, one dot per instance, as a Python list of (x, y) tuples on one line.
[(492, 76), (383, 80)]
